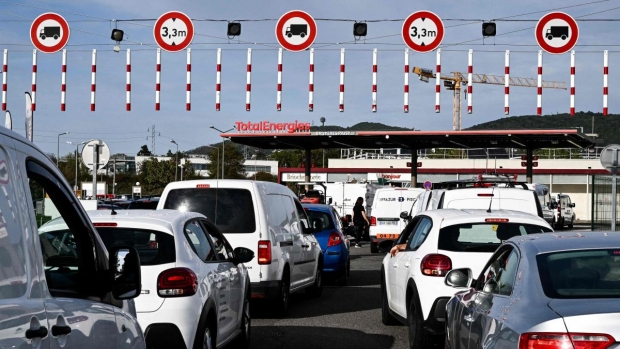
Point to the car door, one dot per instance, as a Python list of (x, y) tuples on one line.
[(211, 273), (392, 282), (23, 320), (493, 292), (230, 271), (76, 311), (310, 248)]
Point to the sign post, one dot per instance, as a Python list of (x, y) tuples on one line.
[(557, 32), (173, 31), (609, 160), (423, 31), (49, 32), (296, 30)]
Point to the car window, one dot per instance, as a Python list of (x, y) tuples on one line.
[(197, 238), (68, 258), (420, 233), (231, 209), (499, 276), (302, 215), (320, 220), (154, 247), (407, 234), (338, 219), (483, 237), (220, 244)]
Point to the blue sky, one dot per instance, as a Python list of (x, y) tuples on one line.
[(125, 132)]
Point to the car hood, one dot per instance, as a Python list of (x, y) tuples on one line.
[(589, 315)]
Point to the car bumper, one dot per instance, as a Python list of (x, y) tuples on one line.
[(173, 322), (335, 259), (265, 289)]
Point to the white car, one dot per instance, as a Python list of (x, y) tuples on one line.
[(195, 289), (435, 242), (564, 213)]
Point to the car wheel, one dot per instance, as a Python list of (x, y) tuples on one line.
[(374, 248), (418, 337), (343, 278), (208, 339), (446, 341), (245, 326), (386, 318), (316, 289), (570, 225), (283, 296)]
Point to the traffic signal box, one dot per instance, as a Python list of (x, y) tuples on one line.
[(524, 160), (409, 164)]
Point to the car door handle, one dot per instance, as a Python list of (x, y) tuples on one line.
[(407, 266), (468, 318), (41, 332), (60, 330), (305, 246), (395, 265)]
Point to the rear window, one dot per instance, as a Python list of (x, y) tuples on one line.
[(231, 209), (154, 247), (320, 220), (483, 237), (580, 274)]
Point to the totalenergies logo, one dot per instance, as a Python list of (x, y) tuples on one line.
[(267, 126)]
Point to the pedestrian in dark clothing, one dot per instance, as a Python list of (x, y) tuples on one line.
[(360, 221)]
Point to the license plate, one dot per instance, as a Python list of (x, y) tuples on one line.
[(387, 236), (388, 222)]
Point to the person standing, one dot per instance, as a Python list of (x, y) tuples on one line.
[(360, 221)]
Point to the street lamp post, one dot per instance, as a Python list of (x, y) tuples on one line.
[(217, 164), (176, 159), (322, 126), (58, 147), (223, 144), (76, 161)]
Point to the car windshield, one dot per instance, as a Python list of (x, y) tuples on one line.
[(320, 220), (231, 209), (580, 274), (483, 237), (154, 247)]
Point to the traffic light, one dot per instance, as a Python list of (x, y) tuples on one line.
[(488, 29), (409, 164), (524, 160)]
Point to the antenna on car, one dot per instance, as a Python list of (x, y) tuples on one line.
[(491, 201), (113, 213)]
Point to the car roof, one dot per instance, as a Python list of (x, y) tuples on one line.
[(450, 215), (163, 218), (317, 207), (561, 241)]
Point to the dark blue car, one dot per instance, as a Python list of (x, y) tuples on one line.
[(329, 229)]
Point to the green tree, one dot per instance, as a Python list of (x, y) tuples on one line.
[(155, 174), (144, 151), (264, 176), (233, 162)]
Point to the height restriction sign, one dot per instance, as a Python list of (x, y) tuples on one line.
[(173, 31), (49, 32), (423, 31), (557, 32)]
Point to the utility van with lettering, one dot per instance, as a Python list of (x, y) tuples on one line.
[(385, 221)]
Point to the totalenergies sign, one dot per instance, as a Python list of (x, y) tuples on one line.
[(268, 126)]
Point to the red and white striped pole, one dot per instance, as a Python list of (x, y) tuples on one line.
[(572, 82), (540, 69), (507, 84), (341, 108), (438, 82), (218, 79), (374, 80), (157, 78), (63, 81), (605, 86), (188, 93), (34, 80), (311, 84), (406, 88), (279, 93), (248, 83), (93, 81), (5, 69), (470, 88), (128, 82)]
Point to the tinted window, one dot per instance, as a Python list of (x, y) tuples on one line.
[(320, 220), (499, 276), (199, 241), (154, 247), (420, 233), (580, 274), (232, 210), (220, 245), (483, 237)]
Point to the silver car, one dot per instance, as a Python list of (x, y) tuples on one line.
[(554, 290)]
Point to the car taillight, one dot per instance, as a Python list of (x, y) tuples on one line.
[(435, 265), (177, 282), (559, 209), (551, 340), (373, 220), (264, 252), (334, 239), (203, 186)]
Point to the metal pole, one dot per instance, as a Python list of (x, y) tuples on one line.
[(176, 163), (114, 178), (95, 166), (614, 181), (223, 154), (76, 167)]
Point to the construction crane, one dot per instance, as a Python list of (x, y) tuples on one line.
[(459, 80)]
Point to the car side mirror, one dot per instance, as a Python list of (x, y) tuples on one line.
[(125, 268), (572, 204), (404, 215), (243, 255), (459, 278), (329, 201), (386, 245)]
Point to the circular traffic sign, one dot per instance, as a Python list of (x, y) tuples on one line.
[(173, 31), (296, 30), (610, 158), (88, 156), (423, 31), (428, 185), (557, 32), (49, 32)]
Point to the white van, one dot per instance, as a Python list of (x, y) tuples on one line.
[(385, 221), (268, 219), (58, 293), (546, 202), (494, 198)]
